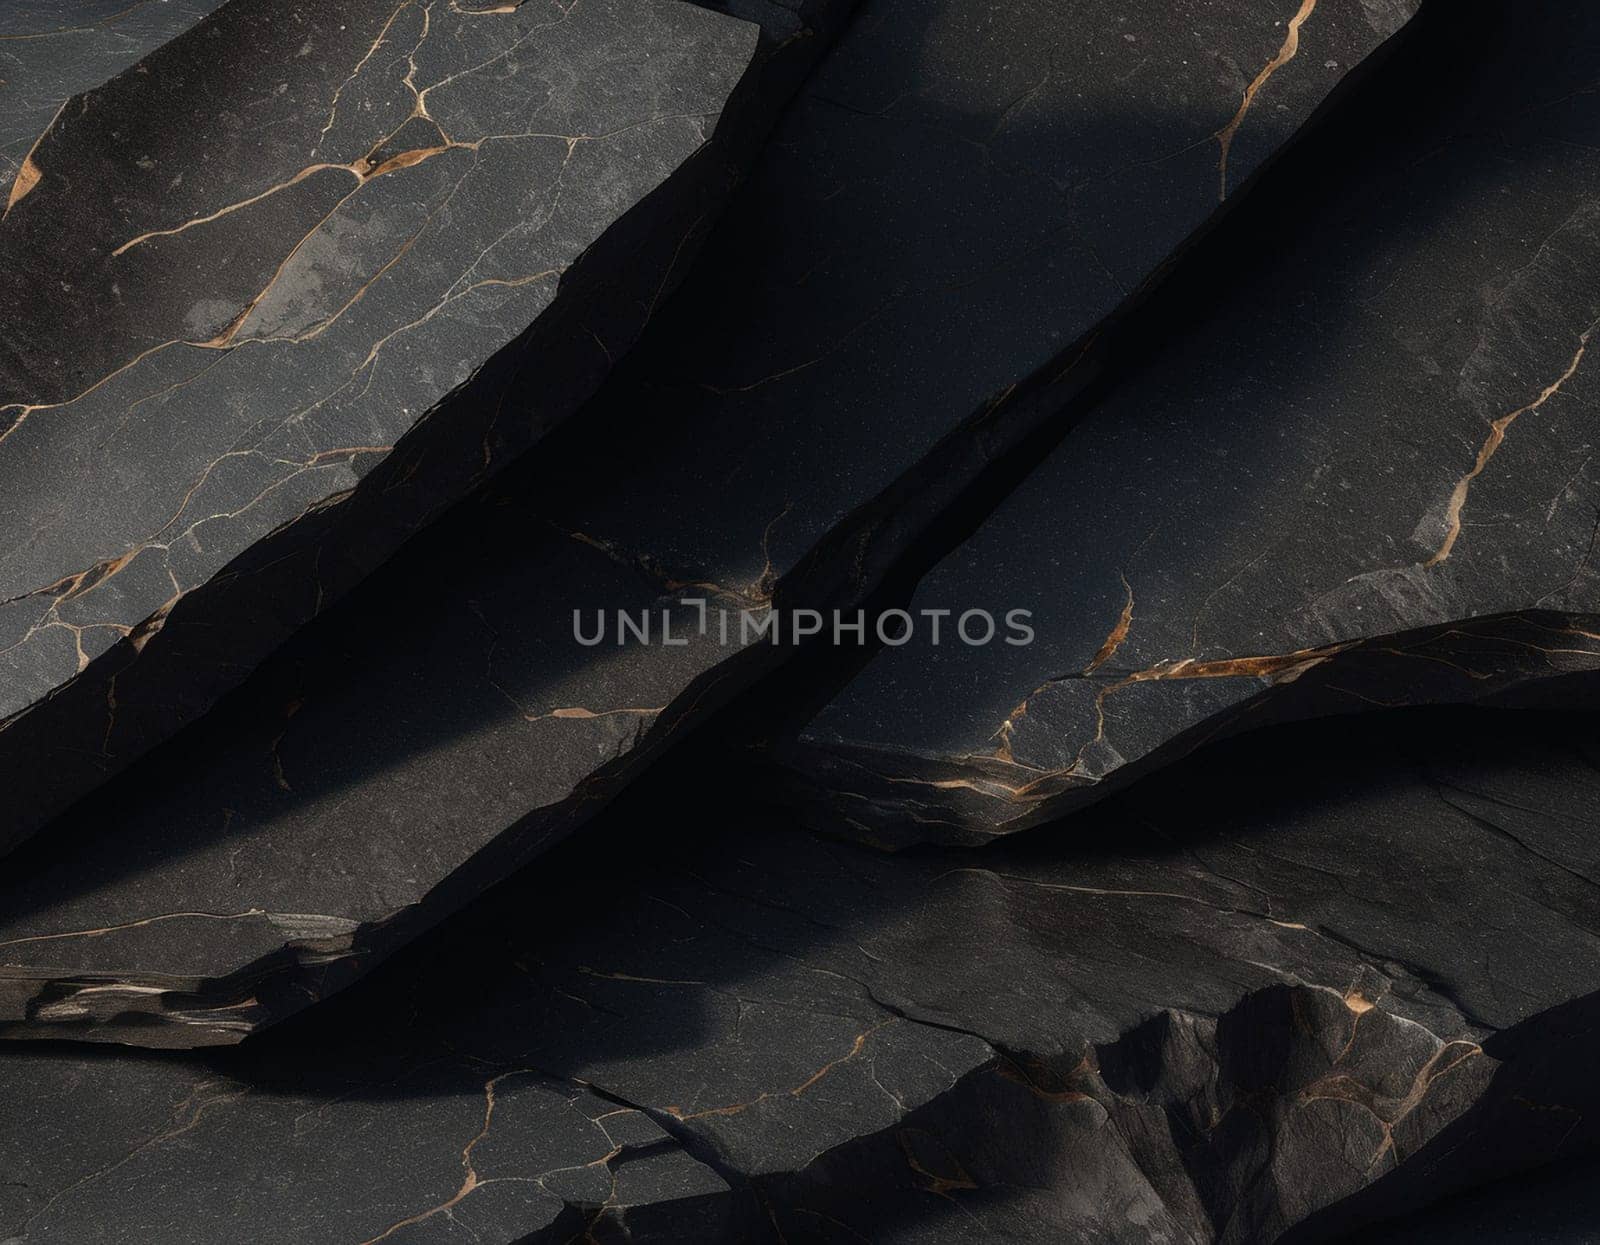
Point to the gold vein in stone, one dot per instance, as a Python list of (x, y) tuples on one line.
[(471, 1180), (101, 931), (858, 1045), (580, 714), (1118, 633), (1491, 445), (1286, 53), (383, 37), (93, 28), (30, 174), (310, 170)]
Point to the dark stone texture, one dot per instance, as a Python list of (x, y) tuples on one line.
[(1287, 986), (374, 777), (511, 1157), (50, 50), (1557, 1206), (293, 284), (1363, 477), (1286, 989)]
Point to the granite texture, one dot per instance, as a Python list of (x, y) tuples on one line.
[(374, 777), (1200, 1020), (294, 283), (1363, 478)]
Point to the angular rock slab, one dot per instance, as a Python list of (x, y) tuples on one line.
[(1365, 479), (285, 290), (520, 1158), (376, 776), (1375, 980), (50, 50)]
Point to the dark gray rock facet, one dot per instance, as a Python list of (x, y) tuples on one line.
[(283, 291), (1371, 981), (848, 318), (1364, 479), (50, 50), (1295, 985)]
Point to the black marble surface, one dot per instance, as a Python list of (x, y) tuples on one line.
[(373, 778), (292, 285), (1288, 985), (51, 51), (1365, 477), (974, 333)]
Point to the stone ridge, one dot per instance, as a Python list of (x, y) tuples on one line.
[(1363, 479), (1235, 1026), (707, 467), (279, 248)]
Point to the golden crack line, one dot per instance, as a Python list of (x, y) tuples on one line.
[(26, 409), (510, 50), (362, 171), (243, 317), (1286, 53), (28, 176), (191, 1111), (149, 920), (1108, 650), (30, 173), (643, 564), (225, 338), (856, 1047), (183, 503), (1431, 1072), (1491, 445), (308, 171), (1118, 633), (69, 586), (314, 464), (1285, 667), (939, 1186), (760, 589), (577, 712), (1280, 668), (223, 342), (93, 28), (81, 582), (510, 6), (450, 295), (470, 1179), (383, 37)]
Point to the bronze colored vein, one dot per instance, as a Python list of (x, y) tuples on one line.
[(1286, 53), (1118, 633), (1491, 445)]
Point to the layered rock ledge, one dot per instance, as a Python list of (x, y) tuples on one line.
[(1363, 478), (448, 726), (1196, 1018), (293, 284)]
